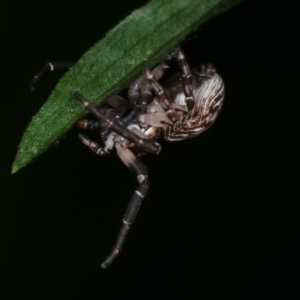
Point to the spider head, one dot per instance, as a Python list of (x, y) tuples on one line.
[(205, 71), (140, 99)]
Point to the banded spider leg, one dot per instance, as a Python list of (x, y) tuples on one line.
[(170, 110), (50, 66)]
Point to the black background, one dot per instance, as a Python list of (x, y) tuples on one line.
[(221, 218)]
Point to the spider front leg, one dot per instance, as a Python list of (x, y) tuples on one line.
[(137, 167), (107, 123)]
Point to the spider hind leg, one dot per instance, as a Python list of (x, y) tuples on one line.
[(137, 167)]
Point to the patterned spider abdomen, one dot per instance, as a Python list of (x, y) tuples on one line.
[(208, 93)]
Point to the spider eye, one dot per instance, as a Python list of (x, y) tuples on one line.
[(207, 70), (143, 100), (146, 99)]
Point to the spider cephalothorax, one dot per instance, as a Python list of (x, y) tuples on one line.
[(186, 105)]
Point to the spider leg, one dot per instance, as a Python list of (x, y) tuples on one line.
[(159, 91), (113, 113), (186, 76), (88, 124), (49, 66), (137, 167), (93, 146), (118, 104), (140, 91), (108, 123), (170, 109)]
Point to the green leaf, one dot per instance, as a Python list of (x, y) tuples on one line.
[(137, 42)]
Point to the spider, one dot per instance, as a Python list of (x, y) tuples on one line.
[(185, 106)]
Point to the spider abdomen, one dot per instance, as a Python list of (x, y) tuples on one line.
[(208, 91)]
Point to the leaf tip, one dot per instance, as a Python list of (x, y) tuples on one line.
[(17, 164), (14, 169)]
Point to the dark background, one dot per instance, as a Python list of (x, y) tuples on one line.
[(221, 218)]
